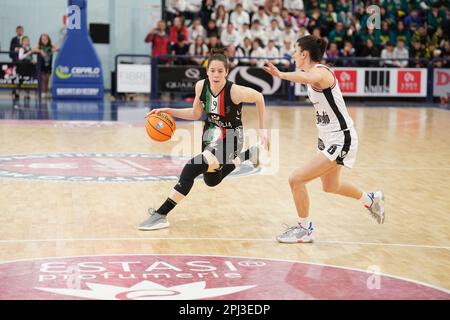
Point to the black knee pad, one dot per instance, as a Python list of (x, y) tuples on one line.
[(212, 179), (195, 167)]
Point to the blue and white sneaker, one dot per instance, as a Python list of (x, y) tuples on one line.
[(297, 234), (376, 209)]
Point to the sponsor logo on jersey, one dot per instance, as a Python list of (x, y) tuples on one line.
[(332, 149), (322, 118)]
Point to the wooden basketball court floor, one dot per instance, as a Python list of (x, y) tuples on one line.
[(403, 151)]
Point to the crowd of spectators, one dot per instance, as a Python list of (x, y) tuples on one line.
[(250, 29), (25, 56)]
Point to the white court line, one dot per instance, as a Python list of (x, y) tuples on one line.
[(324, 242), (389, 168)]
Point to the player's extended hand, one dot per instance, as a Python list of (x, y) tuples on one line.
[(264, 139), (156, 111), (270, 68)]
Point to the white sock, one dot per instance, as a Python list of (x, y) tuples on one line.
[(367, 199), (303, 222)]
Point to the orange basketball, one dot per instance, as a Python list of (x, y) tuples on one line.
[(160, 127)]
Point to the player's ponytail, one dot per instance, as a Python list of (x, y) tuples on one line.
[(315, 46)]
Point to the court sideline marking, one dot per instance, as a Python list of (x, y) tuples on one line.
[(323, 242)]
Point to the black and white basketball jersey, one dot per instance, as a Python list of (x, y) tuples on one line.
[(331, 111)]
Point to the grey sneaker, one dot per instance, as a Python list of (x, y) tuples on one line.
[(297, 234), (377, 207), (154, 222), (254, 152)]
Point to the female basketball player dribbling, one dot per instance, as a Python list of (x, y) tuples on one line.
[(222, 135), (338, 141)]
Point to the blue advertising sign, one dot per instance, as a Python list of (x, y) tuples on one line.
[(78, 71)]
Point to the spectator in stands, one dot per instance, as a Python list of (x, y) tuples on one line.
[(253, 6), (301, 19), (177, 29), (293, 5), (400, 52), (333, 53), (25, 62), (238, 17), (274, 33), (269, 5), (221, 18), (435, 53), (288, 19), (207, 11), (230, 36), (245, 32), (439, 37), (272, 53), (196, 29), (198, 50), (262, 17), (347, 52), (16, 44), (402, 33), (244, 51), (276, 14), (231, 55), (344, 12), (316, 32), (370, 50), (386, 35), (258, 32), (330, 19), (421, 36), (315, 21), (302, 31), (413, 20), (193, 7), (338, 35), (388, 53), (436, 18), (14, 47), (180, 48), (45, 48), (257, 52), (286, 52), (289, 33), (446, 55), (214, 43), (159, 40), (211, 29), (419, 53), (174, 8)]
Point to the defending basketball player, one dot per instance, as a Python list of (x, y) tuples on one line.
[(222, 139), (337, 143)]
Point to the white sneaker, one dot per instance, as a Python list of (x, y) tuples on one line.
[(297, 234), (377, 207)]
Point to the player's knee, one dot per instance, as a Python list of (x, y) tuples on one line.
[(211, 182), (192, 169), (296, 180), (330, 187)]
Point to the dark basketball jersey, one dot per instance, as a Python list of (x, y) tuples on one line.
[(222, 131)]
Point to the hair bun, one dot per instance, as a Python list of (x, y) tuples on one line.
[(217, 51)]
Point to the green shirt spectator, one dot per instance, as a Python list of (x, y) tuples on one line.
[(338, 35)]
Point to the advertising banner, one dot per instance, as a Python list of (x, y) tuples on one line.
[(77, 72)]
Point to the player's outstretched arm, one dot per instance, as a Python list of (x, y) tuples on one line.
[(312, 76), (245, 94), (193, 113)]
